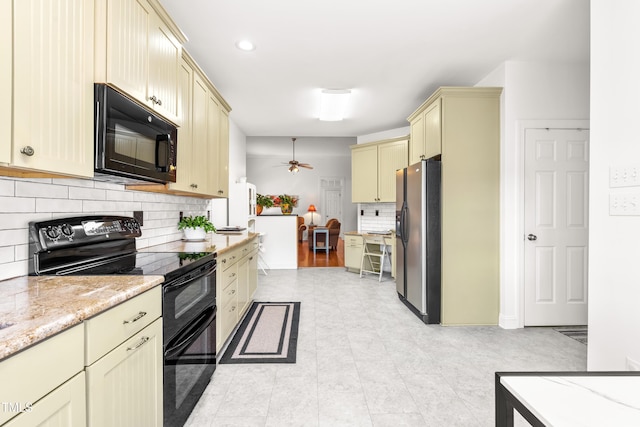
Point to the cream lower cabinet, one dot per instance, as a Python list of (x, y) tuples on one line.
[(236, 282), (352, 252), (65, 406), (353, 247), (373, 170), (48, 65), (124, 363), (44, 384), (125, 386)]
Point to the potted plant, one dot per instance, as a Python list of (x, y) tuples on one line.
[(263, 202), (287, 203), (195, 227)]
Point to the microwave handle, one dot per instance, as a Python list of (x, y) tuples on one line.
[(163, 152)]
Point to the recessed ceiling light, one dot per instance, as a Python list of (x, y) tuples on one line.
[(246, 45)]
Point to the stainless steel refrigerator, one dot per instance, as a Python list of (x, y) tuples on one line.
[(418, 234)]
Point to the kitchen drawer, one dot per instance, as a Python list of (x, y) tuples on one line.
[(228, 316), (228, 276), (41, 368), (228, 258), (109, 329), (228, 293), (353, 241)]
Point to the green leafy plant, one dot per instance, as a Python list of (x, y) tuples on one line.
[(264, 201), (286, 199), (195, 222)]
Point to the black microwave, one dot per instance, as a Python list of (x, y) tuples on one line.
[(130, 140)]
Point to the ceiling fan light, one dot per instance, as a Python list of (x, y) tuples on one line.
[(333, 104), (293, 169)]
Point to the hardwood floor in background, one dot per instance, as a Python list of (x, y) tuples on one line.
[(306, 258)]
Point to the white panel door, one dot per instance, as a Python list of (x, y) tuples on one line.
[(556, 226)]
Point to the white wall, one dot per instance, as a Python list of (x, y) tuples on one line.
[(614, 241), (537, 93)]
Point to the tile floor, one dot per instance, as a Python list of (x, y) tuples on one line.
[(365, 360)]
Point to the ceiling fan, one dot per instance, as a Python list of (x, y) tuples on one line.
[(294, 165)]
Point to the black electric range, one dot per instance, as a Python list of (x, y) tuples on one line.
[(106, 245)]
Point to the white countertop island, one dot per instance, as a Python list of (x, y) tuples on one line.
[(569, 399), (279, 236)]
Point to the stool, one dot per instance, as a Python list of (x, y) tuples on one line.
[(374, 251), (261, 262), (320, 230)]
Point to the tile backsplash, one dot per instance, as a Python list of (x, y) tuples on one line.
[(25, 200), (369, 221)]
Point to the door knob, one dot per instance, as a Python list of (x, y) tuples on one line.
[(532, 237)]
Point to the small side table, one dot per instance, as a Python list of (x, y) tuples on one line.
[(321, 230)]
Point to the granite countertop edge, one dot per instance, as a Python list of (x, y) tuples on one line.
[(34, 308)]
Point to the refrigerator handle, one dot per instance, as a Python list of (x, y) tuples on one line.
[(404, 228)]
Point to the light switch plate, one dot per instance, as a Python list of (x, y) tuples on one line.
[(624, 176), (624, 204)]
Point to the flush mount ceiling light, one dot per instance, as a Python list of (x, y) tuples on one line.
[(333, 104), (246, 45)]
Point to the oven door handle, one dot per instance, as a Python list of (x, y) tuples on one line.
[(209, 270), (179, 343)]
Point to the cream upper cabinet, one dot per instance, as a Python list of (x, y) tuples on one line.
[(51, 112), (201, 144), (426, 133), (218, 137), (364, 174), (223, 153), (373, 170), (185, 145), (391, 157), (416, 142), (6, 79), (139, 53)]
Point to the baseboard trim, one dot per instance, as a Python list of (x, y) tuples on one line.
[(508, 322)]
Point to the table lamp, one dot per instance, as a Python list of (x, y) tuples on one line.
[(311, 209)]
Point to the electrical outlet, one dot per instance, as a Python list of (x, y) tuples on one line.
[(632, 365), (180, 217), (624, 176), (624, 204), (138, 216), (377, 212), (209, 215)]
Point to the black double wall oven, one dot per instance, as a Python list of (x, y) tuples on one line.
[(103, 245)]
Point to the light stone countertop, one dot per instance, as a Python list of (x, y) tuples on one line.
[(219, 243), (579, 400), (37, 307)]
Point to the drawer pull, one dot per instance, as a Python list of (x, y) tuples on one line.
[(233, 275), (135, 319), (142, 341), (233, 308), (224, 260)]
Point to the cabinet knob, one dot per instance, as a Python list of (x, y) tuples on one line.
[(159, 102), (220, 192), (28, 150)]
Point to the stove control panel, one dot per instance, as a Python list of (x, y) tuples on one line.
[(77, 231)]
